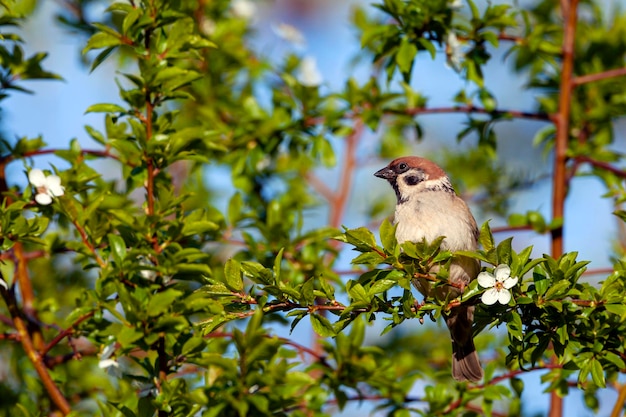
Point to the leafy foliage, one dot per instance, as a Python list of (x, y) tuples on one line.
[(145, 295)]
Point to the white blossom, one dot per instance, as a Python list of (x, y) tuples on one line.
[(308, 74), (208, 26), (456, 4), (46, 186), (108, 363), (244, 9), (289, 33), (105, 357), (453, 51), (149, 274), (497, 284)]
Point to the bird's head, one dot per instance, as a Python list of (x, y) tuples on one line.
[(411, 175)]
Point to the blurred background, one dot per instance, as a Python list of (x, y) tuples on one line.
[(322, 29)]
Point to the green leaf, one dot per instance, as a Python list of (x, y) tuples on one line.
[(486, 238), (388, 235), (234, 208), (406, 55), (617, 309), (514, 326), (232, 274), (357, 292), (557, 290), (278, 264), (504, 251), (118, 248), (105, 108), (161, 302), (597, 373), (429, 46), (381, 286), (368, 258), (541, 281), (101, 57), (102, 40), (362, 239), (198, 227), (321, 325)]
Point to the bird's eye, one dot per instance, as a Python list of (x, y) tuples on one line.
[(403, 167)]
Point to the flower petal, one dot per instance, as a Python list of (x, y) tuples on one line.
[(510, 282), (308, 73), (37, 178), (486, 280), (289, 33), (107, 363), (53, 183), (504, 296), (108, 351), (244, 9), (502, 272), (490, 296), (43, 199)]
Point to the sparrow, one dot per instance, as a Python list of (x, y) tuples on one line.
[(427, 207)]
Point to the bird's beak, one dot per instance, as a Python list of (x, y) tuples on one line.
[(385, 173)]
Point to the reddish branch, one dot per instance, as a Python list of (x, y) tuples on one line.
[(602, 165), (300, 348), (21, 326), (619, 404), (338, 204), (584, 79), (67, 332), (28, 294), (338, 198), (474, 109), (88, 244), (562, 119)]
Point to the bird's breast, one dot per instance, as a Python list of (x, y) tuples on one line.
[(428, 219)]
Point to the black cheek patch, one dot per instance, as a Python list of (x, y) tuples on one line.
[(412, 180)]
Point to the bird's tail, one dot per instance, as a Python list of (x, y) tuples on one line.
[(465, 363)]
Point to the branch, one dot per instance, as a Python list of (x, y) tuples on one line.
[(619, 403), (10, 336), (104, 154), (598, 76), (559, 178), (602, 165), (300, 348), (33, 355), (67, 332), (473, 109), (340, 200), (87, 243), (28, 294), (508, 229), (321, 188), (456, 404)]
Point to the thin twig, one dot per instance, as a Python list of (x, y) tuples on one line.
[(94, 152), (67, 332), (474, 109), (87, 243), (602, 165), (598, 76), (33, 355)]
